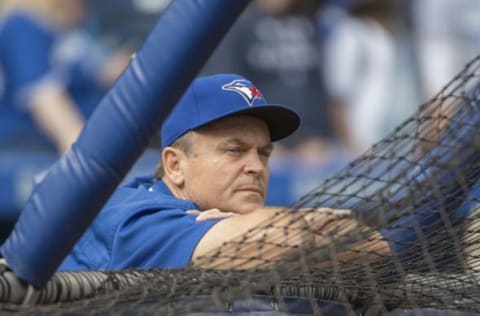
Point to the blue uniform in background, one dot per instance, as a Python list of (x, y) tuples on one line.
[(33, 53), (142, 226)]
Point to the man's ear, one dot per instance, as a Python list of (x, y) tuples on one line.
[(172, 164)]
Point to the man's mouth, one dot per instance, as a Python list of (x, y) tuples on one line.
[(251, 189)]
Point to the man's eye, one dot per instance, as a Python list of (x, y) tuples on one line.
[(235, 150), (266, 154)]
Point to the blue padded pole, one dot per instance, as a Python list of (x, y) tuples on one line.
[(80, 182)]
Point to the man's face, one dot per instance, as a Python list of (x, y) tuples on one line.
[(228, 166)]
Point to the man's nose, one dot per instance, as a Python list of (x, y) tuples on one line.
[(254, 163)]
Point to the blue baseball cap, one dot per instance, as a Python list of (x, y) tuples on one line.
[(211, 98)]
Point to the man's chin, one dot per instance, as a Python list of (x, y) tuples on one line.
[(248, 206)]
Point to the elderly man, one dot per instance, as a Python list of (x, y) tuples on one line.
[(207, 196)]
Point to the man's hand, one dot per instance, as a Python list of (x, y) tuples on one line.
[(330, 226), (270, 234), (209, 215)]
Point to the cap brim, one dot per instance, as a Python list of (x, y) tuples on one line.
[(281, 120)]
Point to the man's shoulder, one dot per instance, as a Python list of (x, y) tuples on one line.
[(140, 197), (139, 213), (19, 21), (142, 192)]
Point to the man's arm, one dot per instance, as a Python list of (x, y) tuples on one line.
[(56, 115), (264, 236)]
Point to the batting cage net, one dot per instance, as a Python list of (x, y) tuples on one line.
[(397, 229)]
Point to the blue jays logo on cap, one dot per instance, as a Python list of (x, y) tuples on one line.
[(245, 88), (212, 98)]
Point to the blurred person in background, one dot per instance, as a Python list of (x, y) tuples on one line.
[(277, 44), (369, 70), (52, 73), (446, 37), (122, 23), (447, 34)]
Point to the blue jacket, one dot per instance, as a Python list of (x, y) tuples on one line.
[(142, 226)]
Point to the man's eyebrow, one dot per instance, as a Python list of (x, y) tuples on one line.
[(233, 141), (268, 147), (239, 142)]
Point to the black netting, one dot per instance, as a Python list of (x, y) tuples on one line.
[(410, 242)]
